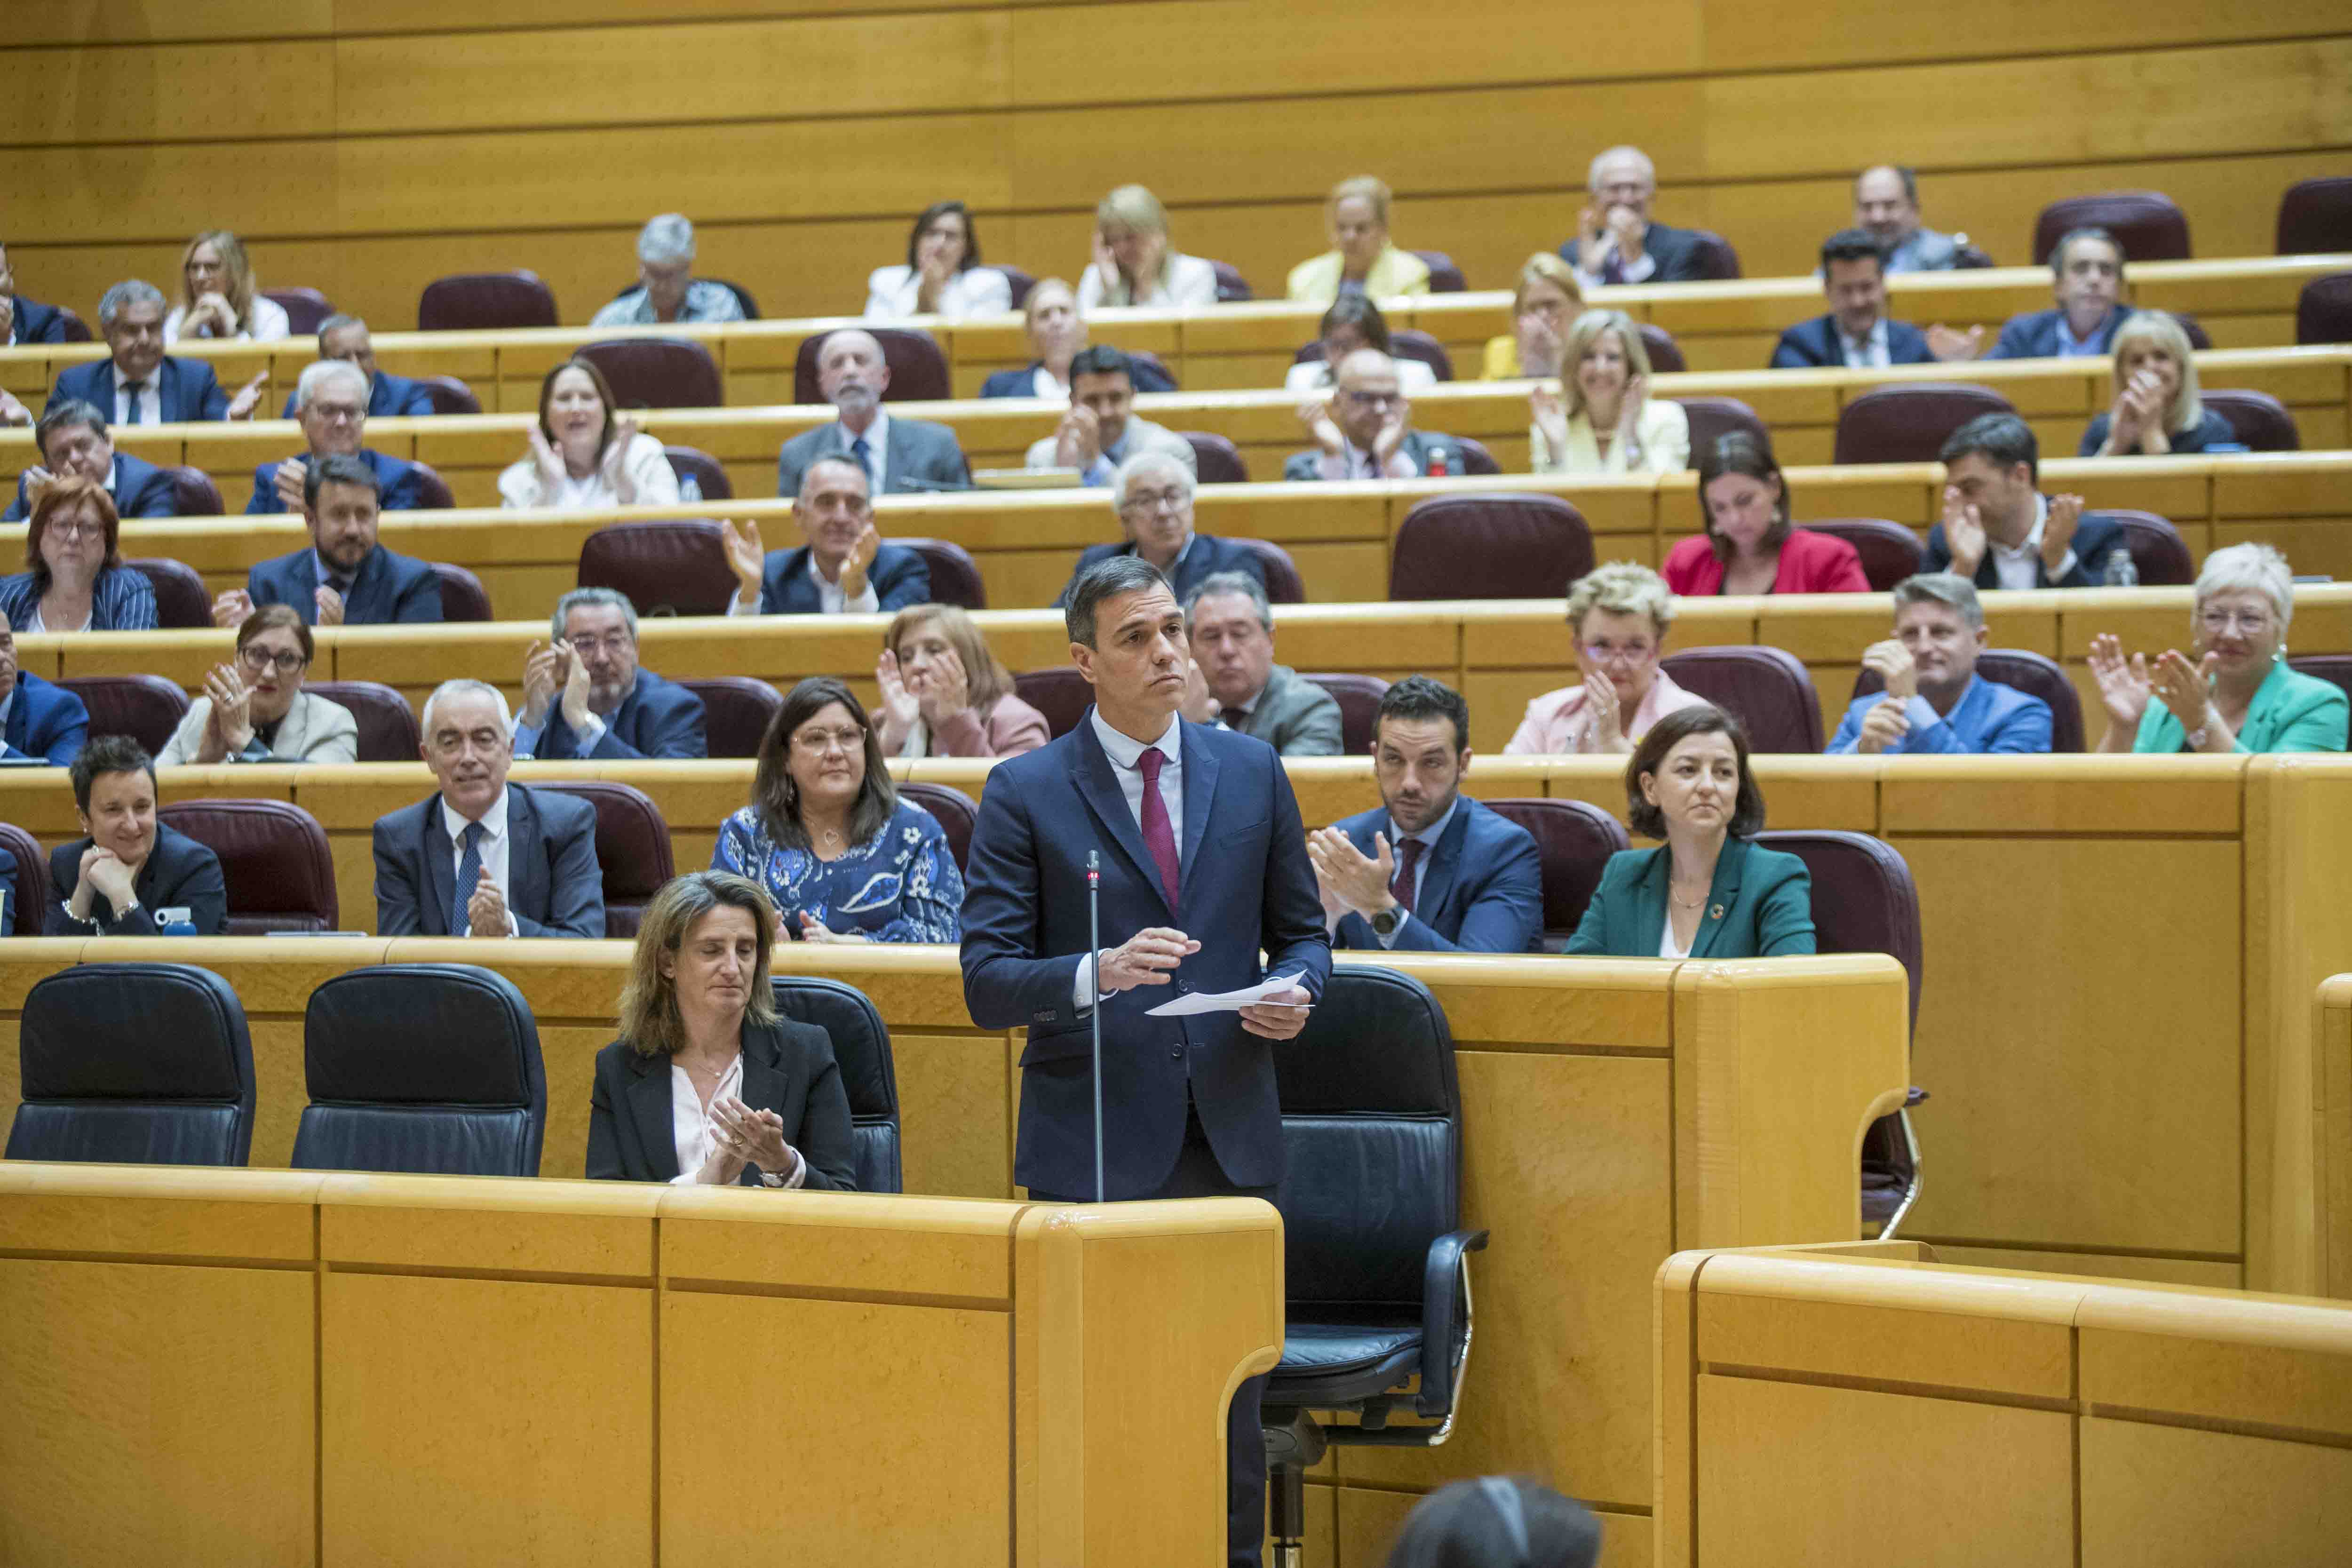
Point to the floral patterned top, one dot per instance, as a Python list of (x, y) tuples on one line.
[(901, 885)]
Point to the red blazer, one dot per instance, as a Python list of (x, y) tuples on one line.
[(1810, 564)]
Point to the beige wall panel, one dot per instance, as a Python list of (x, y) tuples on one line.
[(954, 1136), (1367, 1526), (2225, 1498), (1856, 32), (2099, 1265), (170, 92), (1944, 1350), (2135, 1360), (458, 16), (86, 184), (115, 21)]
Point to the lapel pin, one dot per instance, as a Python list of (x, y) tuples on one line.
[(1715, 914)]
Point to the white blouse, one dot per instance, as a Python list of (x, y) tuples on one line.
[(894, 291), (522, 485), (690, 1127), (269, 323), (1667, 948), (1189, 284)]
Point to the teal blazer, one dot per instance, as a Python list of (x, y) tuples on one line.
[(1761, 906), (2290, 712)]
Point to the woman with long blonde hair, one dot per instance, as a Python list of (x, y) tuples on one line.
[(218, 297)]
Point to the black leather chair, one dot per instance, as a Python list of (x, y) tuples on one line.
[(463, 598), (180, 602), (31, 868), (1282, 585), (1489, 545), (736, 712), (1218, 459), (147, 708), (633, 847), (657, 372), (133, 1064), (1061, 694), (304, 307), (955, 813), (480, 301), (2158, 552), (194, 494), (449, 395), (666, 566), (388, 728), (2262, 424), (280, 873), (2322, 311), (709, 475), (1444, 278), (1768, 690), (1908, 422), (1574, 839), (1358, 696), (1889, 551), (1379, 1291), (919, 371), (2028, 672), (2145, 223), (955, 575), (861, 1045), (2315, 216), (430, 1068)]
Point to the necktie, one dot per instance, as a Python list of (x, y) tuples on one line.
[(1613, 267), (864, 452), (134, 412), (1408, 861), (1233, 718), (1159, 835), (469, 872)]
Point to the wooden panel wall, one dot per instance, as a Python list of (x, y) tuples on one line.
[(367, 145)]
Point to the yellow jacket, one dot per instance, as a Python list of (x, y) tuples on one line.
[(1317, 281)]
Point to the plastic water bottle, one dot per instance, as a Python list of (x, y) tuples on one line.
[(176, 920), (2121, 571), (1437, 463), (688, 487)]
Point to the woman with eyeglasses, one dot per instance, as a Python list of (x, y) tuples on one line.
[(1618, 615), (2232, 691), (254, 709), (74, 579)]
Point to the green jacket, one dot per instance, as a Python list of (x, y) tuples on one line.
[(1761, 906), (2290, 712)]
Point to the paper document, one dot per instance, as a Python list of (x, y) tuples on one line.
[(1224, 1002)]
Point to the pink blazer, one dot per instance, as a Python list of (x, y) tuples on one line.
[(1011, 728), (1561, 722), (1810, 564)]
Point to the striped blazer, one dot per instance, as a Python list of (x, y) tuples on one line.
[(123, 602)]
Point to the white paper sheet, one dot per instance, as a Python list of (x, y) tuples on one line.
[(1224, 1002)]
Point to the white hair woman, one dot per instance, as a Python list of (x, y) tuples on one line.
[(2156, 409), (1619, 615), (1601, 419)]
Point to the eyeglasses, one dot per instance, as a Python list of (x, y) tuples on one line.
[(1618, 653), (339, 412), (255, 658), (1375, 399), (1153, 501), (816, 743), (617, 644), (2234, 620), (76, 528)]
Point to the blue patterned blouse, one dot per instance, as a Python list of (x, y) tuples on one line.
[(901, 885)]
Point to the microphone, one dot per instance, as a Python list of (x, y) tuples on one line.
[(1094, 937)]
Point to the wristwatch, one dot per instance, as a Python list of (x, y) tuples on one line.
[(1385, 924)]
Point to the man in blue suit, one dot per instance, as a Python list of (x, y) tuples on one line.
[(1432, 871), (1999, 531), (390, 396), (1856, 332), (897, 454), (2087, 270), (1616, 242), (24, 320), (344, 577), (844, 569), (138, 382), (73, 439), (1933, 702), (1153, 493), (38, 722), (1204, 863), (331, 400), (584, 694)]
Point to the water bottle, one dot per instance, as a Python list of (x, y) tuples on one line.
[(2121, 571), (688, 487), (1437, 466), (176, 920)]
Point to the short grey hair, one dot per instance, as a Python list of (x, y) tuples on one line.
[(1593, 172), (1151, 462), (336, 324), (318, 372), (1230, 582), (2258, 567), (132, 292), (665, 239), (448, 689), (1108, 579), (1950, 589), (594, 599)]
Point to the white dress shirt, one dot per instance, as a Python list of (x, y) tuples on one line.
[(1358, 465), (892, 292), (1125, 755), (1043, 385), (267, 322), (693, 1133), (149, 410), (2014, 566), (1641, 271), (493, 850), (1667, 946), (1866, 353)]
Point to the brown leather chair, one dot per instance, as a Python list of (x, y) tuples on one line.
[(31, 868), (955, 812), (1219, 460), (274, 858), (736, 712), (710, 475), (1061, 694), (1712, 418), (1716, 259), (2333, 667), (955, 575), (1665, 354), (194, 494), (1768, 690), (71, 328), (1404, 342), (2145, 223), (1358, 696), (1282, 582), (1232, 287), (919, 371), (147, 708), (1889, 551), (1909, 422), (481, 301), (182, 603), (1475, 458), (2322, 311), (1444, 278), (2262, 421), (1489, 545), (2159, 554), (669, 566), (657, 372), (449, 395), (432, 490), (304, 307), (632, 847), (387, 724), (1574, 839), (2315, 216), (463, 598), (1019, 282), (2030, 673)]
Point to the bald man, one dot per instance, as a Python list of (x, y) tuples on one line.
[(1364, 430), (897, 455)]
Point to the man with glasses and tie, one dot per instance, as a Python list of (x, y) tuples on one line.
[(1432, 871), (843, 569), (330, 403), (897, 455), (585, 695), (138, 382), (1365, 430), (1616, 242), (344, 578), (1153, 493)]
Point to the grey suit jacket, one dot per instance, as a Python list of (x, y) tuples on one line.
[(1417, 445), (922, 457), (1296, 717)]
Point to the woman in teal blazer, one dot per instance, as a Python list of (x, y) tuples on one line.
[(1709, 892), (2238, 694)]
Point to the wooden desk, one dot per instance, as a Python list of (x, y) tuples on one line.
[(2331, 1161)]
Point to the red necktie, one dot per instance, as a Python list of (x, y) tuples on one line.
[(1158, 836), (1408, 861)]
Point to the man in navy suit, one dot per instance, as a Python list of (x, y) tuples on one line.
[(1999, 531), (138, 382), (1366, 430), (1856, 332), (344, 577), (481, 856), (1615, 240), (897, 455), (73, 439), (1432, 871), (24, 320), (1153, 493), (1204, 863), (390, 396), (331, 400), (584, 694), (38, 721), (844, 569), (2087, 270)]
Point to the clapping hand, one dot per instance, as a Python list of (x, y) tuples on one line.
[(1539, 345), (2058, 531), (2124, 685), (614, 468), (230, 723), (330, 603), (1946, 345), (288, 479), (750, 1137), (485, 911), (861, 556), (1627, 230), (2187, 689), (231, 607), (1077, 439), (1197, 704), (746, 557), (948, 692), (248, 397), (1893, 662), (1360, 881), (1390, 434), (901, 707), (1550, 417), (1323, 425), (1964, 533), (546, 462), (1629, 414), (1882, 728), (1606, 733), (815, 930)]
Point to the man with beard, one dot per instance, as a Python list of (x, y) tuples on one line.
[(896, 455), (1934, 700), (584, 694), (344, 578), (843, 569)]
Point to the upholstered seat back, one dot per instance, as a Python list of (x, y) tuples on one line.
[(1358, 696), (861, 1045), (1574, 839), (1768, 690), (955, 812), (1908, 422), (147, 708), (1489, 545), (666, 566), (632, 847), (1889, 551), (657, 372), (387, 724), (736, 712), (280, 873), (135, 1064), (918, 370)]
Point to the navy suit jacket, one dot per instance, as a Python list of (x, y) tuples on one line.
[(1676, 250), (1023, 383), (39, 323), (922, 457), (657, 719), (180, 873), (2094, 538), (390, 588), (555, 886), (397, 481), (899, 575), (1207, 556), (186, 390), (140, 490), (1245, 884), (388, 398), (1482, 890), (46, 720), (2034, 335), (1815, 345)]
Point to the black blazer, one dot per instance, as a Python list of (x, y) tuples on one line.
[(179, 873), (39, 323), (1815, 345), (2095, 538), (788, 1068), (1675, 249)]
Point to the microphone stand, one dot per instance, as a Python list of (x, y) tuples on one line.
[(1094, 939)]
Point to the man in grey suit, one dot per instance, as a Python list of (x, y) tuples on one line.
[(1365, 431), (897, 455), (1237, 685)]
